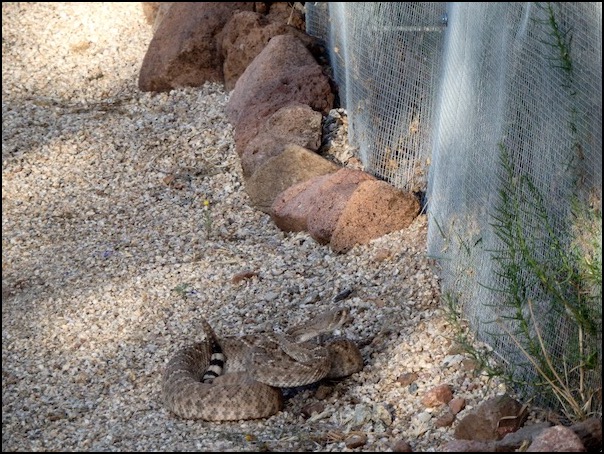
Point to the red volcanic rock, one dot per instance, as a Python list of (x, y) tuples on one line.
[(245, 35), (283, 73), (291, 207), (373, 210), (184, 51), (333, 197)]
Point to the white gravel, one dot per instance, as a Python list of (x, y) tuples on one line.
[(110, 257)]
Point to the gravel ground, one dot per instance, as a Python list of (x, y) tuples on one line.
[(124, 221)]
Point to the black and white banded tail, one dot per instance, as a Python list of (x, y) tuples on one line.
[(216, 363)]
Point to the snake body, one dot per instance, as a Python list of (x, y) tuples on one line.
[(235, 378)]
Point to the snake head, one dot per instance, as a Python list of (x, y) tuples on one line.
[(323, 323), (339, 317)]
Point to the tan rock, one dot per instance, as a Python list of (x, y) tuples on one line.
[(295, 123), (294, 165)]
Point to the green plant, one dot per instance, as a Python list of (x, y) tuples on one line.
[(548, 285), (182, 290), (483, 358), (537, 266), (560, 42)]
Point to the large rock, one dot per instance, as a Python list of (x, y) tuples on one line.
[(295, 123), (539, 438), (373, 210), (184, 51), (481, 424), (468, 446), (284, 72), (332, 198), (557, 439), (522, 437), (288, 14), (243, 38), (155, 12), (161, 13), (291, 207), (293, 166)]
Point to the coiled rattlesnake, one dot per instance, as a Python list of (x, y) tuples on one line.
[(232, 378)]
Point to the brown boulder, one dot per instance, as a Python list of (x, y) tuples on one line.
[(155, 11), (295, 123), (243, 38), (161, 13), (284, 72), (557, 439), (294, 165), (331, 201), (184, 51), (291, 207), (288, 14), (468, 446), (481, 424), (373, 210)]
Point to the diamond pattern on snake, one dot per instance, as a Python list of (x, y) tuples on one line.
[(235, 378)]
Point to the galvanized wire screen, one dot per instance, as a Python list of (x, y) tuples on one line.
[(449, 89), (385, 58)]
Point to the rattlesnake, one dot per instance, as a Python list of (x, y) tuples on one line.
[(233, 378)]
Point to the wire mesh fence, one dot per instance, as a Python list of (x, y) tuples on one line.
[(385, 59), (437, 95)]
